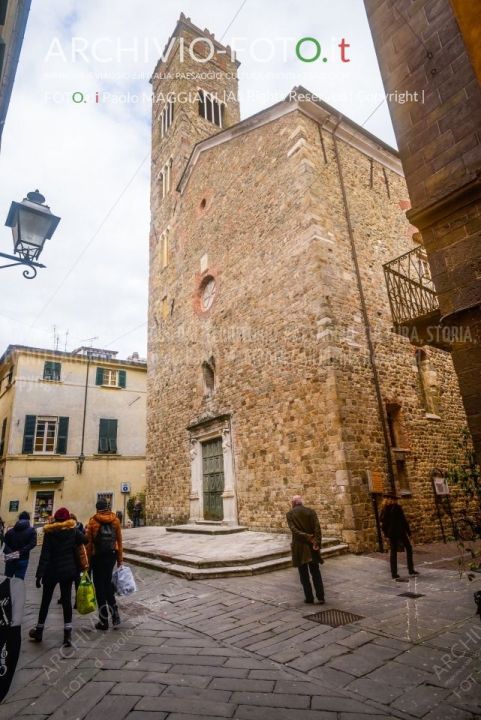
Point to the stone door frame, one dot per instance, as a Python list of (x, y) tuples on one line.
[(198, 433)]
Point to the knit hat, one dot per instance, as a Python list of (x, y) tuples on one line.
[(62, 514), (102, 504)]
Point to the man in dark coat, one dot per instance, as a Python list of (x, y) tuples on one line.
[(396, 528), (58, 564), (19, 540), (306, 547)]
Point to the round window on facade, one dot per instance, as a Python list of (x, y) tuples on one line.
[(207, 293)]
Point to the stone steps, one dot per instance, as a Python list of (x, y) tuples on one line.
[(202, 570)]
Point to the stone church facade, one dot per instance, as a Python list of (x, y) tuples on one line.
[(273, 369)]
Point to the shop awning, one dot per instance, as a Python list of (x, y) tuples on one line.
[(45, 480)]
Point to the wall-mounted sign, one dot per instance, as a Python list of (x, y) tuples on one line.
[(441, 487), (13, 505), (375, 479), (125, 487)]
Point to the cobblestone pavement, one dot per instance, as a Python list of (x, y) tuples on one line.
[(243, 648)]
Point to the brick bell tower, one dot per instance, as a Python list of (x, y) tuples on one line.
[(195, 95)]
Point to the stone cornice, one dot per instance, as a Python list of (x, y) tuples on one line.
[(427, 215)]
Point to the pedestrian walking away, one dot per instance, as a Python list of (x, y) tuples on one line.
[(2, 531), (104, 550), (81, 559), (18, 543), (396, 528), (306, 548), (58, 564), (136, 513)]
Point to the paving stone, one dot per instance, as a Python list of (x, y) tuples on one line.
[(296, 687), (362, 660), (211, 695), (82, 702), (9, 710), (398, 675), (318, 657), (248, 684), (250, 662), (174, 679), (374, 690), (270, 700), (137, 688), (187, 659), (185, 705), (141, 715), (268, 674), (445, 711), (114, 707), (356, 639), (420, 700), (250, 712), (209, 670), (120, 676), (422, 657), (341, 704), (332, 677), (147, 666)]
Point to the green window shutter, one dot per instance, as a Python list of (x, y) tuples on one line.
[(107, 436), (99, 377), (122, 378), (2, 436), (113, 436), (47, 370), (62, 435), (29, 434)]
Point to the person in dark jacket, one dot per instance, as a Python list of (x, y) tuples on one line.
[(396, 528), (306, 548), (19, 540), (137, 513), (58, 564)]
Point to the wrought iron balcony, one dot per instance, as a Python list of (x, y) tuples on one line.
[(411, 292)]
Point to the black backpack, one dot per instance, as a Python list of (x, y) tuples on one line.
[(105, 539)]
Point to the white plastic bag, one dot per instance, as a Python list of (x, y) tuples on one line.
[(124, 581)]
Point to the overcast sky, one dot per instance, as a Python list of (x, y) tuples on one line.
[(92, 160)]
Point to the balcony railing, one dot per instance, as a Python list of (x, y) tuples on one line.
[(410, 288)]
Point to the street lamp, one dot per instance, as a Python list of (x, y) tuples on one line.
[(32, 224)]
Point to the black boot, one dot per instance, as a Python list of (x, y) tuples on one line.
[(103, 623), (36, 634), (115, 616), (67, 637)]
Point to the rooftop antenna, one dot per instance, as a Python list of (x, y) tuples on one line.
[(66, 339), (90, 340)]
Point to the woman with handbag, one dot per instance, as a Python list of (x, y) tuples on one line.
[(58, 563), (396, 528)]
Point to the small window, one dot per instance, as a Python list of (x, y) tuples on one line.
[(166, 118), (108, 436), (207, 293), (51, 371), (165, 308), (164, 249), (109, 496), (397, 434), (210, 108), (45, 435), (108, 377), (164, 177), (402, 477), (208, 374)]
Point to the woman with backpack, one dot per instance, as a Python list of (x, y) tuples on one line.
[(104, 549), (58, 564)]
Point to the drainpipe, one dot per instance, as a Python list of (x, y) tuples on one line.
[(367, 327), (81, 457)]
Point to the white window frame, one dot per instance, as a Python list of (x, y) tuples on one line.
[(45, 419), (209, 102), (166, 117), (109, 372), (164, 177)]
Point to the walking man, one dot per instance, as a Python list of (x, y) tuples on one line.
[(18, 542), (306, 548), (136, 514), (104, 549), (396, 528)]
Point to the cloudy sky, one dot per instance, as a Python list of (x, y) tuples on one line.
[(92, 159)]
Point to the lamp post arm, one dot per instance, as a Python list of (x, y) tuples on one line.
[(31, 266)]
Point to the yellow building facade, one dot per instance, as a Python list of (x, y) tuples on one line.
[(72, 429)]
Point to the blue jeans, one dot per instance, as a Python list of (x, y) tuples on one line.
[(16, 568)]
